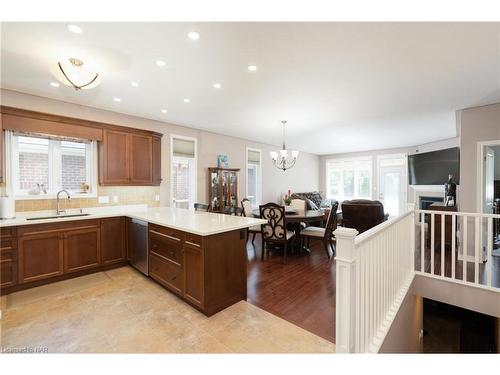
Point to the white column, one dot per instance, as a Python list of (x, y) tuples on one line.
[(346, 290)]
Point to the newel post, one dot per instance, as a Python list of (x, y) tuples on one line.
[(345, 283), (411, 207)]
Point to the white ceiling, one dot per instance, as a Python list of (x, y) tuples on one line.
[(341, 86)]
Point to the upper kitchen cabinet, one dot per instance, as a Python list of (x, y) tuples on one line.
[(129, 158)]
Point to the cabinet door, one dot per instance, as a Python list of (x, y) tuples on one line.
[(193, 274), (81, 249), (112, 240), (40, 256), (166, 273), (141, 159), (114, 158), (156, 161)]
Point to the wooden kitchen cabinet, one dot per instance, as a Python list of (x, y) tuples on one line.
[(207, 272), (156, 161), (141, 159), (113, 240), (129, 158), (40, 255), (82, 249), (114, 158)]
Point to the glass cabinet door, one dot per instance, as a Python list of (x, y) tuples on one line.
[(214, 191)]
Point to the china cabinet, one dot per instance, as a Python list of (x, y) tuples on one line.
[(222, 188)]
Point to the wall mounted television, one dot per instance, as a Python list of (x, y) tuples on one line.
[(433, 168)]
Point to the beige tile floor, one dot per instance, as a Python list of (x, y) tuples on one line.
[(121, 311)]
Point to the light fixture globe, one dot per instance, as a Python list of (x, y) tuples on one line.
[(73, 72), (283, 159)]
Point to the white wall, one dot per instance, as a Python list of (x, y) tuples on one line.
[(304, 176)]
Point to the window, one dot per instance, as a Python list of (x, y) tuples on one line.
[(349, 179), (254, 176), (43, 166), (183, 169)]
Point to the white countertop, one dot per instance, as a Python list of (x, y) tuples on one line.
[(200, 223)]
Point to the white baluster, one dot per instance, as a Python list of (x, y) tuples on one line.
[(443, 228), (476, 249), (432, 243), (489, 249), (453, 244), (464, 250), (422, 242)]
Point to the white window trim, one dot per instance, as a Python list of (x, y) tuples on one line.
[(195, 140), (11, 157), (367, 159), (258, 198)]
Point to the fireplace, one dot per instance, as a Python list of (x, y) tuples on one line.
[(425, 201)]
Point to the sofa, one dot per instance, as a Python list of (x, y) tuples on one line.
[(314, 200)]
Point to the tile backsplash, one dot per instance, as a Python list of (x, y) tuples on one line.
[(125, 195)]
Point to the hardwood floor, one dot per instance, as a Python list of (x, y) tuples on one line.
[(301, 291)]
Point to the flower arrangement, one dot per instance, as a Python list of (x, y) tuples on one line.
[(288, 197)]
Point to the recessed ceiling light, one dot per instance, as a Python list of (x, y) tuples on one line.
[(252, 68), (164, 111), (54, 84), (161, 63), (187, 100), (118, 100), (135, 84), (217, 85), (74, 28), (193, 35)]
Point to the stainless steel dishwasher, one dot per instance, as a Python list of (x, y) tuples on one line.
[(139, 245)]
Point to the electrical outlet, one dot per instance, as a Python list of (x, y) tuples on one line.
[(157, 197), (421, 335), (103, 199), (115, 198)]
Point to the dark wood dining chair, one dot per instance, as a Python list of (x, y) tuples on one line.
[(274, 231), (235, 211), (247, 211), (201, 207), (324, 234)]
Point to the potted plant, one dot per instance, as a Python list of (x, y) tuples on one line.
[(288, 198)]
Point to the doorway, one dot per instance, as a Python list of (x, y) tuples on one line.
[(392, 183), (183, 171)]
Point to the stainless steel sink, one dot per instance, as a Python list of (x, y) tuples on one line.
[(55, 216)]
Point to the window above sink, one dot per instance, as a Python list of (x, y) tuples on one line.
[(40, 166)]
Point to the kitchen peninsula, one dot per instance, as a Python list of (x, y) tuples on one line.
[(199, 256)]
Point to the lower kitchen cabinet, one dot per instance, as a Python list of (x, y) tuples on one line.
[(8, 258), (113, 246), (207, 272), (40, 255), (81, 249)]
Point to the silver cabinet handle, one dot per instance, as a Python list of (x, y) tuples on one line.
[(191, 243), (165, 235)]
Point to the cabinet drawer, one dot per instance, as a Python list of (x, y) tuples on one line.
[(165, 272), (193, 240), (7, 232), (8, 249), (173, 234), (8, 274), (165, 246)]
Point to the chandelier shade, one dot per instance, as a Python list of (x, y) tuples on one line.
[(73, 72)]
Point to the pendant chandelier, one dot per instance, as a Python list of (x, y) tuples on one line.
[(284, 159), (72, 72)]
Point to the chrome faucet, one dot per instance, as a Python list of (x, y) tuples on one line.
[(59, 211)]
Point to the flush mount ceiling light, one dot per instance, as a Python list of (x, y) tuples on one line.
[(118, 100), (161, 63), (164, 111), (217, 85), (284, 159), (54, 84), (193, 35), (134, 84), (252, 68), (187, 100), (74, 29), (72, 72)]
